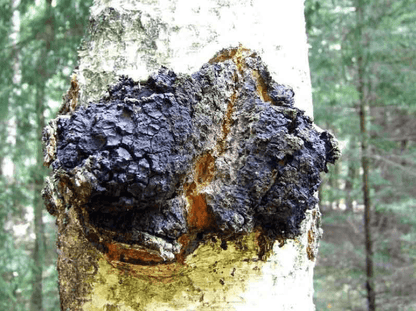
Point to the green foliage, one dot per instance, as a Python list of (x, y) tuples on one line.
[(15, 269), (388, 47)]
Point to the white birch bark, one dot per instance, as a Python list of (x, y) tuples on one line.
[(183, 34)]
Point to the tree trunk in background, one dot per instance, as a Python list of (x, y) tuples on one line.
[(351, 176), (218, 262), (36, 300), (363, 108), (334, 179), (349, 187)]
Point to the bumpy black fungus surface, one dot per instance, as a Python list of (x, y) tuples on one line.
[(141, 142), (138, 142)]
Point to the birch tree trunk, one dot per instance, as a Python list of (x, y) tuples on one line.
[(204, 233)]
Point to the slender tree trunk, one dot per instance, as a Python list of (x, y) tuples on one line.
[(36, 302), (363, 108), (204, 245), (351, 176), (334, 182)]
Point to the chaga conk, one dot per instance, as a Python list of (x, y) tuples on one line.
[(223, 151)]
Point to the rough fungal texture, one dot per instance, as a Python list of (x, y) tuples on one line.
[(164, 163)]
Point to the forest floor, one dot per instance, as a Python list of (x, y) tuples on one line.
[(339, 277)]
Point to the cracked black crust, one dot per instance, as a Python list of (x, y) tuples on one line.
[(139, 145)]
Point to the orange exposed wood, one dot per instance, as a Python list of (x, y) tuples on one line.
[(184, 240), (236, 55), (155, 274), (204, 169), (223, 56), (261, 87), (199, 217)]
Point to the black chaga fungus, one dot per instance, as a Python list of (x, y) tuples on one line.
[(222, 151)]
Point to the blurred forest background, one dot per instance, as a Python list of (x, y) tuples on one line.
[(363, 76)]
